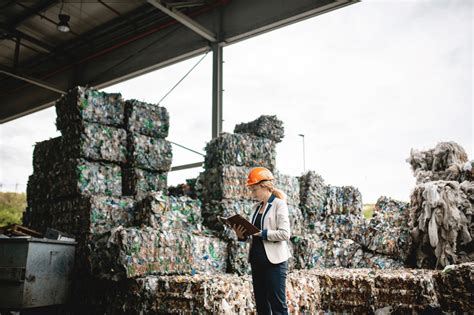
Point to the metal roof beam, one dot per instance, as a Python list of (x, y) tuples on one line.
[(31, 39), (34, 81), (185, 20), (7, 4), (186, 166), (32, 11)]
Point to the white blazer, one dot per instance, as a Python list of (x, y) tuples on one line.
[(276, 229)]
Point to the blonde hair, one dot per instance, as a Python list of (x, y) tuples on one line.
[(268, 184)]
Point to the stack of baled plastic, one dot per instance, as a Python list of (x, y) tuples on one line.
[(198, 294), (166, 238), (387, 235), (76, 185), (222, 185), (149, 153), (125, 226), (442, 205), (333, 220), (317, 291), (86, 159)]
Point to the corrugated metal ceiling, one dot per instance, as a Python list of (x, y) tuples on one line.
[(114, 40)]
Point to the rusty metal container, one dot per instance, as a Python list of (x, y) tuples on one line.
[(35, 272)]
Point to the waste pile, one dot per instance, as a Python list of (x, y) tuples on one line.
[(202, 293), (314, 251), (337, 235), (388, 232), (75, 177), (222, 185), (336, 290), (131, 252), (240, 150), (313, 192), (327, 224), (268, 127), (455, 287), (319, 200), (446, 161), (343, 200), (441, 222), (86, 182), (149, 154), (76, 185), (290, 186), (224, 182), (229, 158), (168, 213), (83, 104), (442, 205), (143, 248), (83, 215)]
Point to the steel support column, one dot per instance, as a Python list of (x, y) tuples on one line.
[(217, 65)]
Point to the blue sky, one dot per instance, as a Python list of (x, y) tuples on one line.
[(365, 84)]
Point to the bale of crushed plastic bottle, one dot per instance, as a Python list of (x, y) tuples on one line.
[(75, 177), (336, 226), (313, 193), (308, 252), (343, 200), (88, 104), (146, 119), (82, 215), (166, 213), (265, 126), (455, 287), (201, 293), (148, 153), (290, 186), (237, 259), (139, 183), (388, 231), (229, 182), (134, 252), (96, 143), (240, 150), (224, 182)]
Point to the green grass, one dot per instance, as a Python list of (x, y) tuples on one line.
[(12, 206), (368, 210)]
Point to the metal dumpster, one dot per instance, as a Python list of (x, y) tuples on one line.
[(35, 272)]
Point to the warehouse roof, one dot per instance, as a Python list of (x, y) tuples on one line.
[(113, 40)]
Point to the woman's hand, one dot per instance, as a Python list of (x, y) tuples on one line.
[(239, 230)]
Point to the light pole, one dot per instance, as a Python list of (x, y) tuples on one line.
[(304, 162)]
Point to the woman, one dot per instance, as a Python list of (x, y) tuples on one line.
[(269, 250)]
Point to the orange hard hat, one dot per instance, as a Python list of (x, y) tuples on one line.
[(258, 174)]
